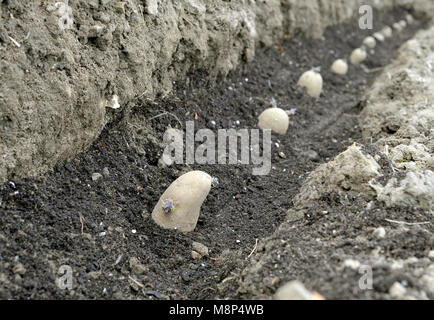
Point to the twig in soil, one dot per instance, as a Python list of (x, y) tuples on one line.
[(371, 70), (82, 223), (136, 282), (254, 249), (118, 260), (408, 223), (128, 146), (207, 288), (386, 151), (166, 113), (232, 277), (15, 42)]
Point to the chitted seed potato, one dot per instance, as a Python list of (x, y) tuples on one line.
[(340, 66), (179, 206), (397, 26), (378, 36), (358, 56), (370, 42), (312, 81), (409, 18), (387, 31), (275, 119)]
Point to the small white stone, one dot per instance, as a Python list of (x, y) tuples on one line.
[(195, 255), (431, 254), (428, 282), (64, 12), (396, 265), (95, 31), (114, 102), (200, 248), (352, 264), (380, 232), (96, 176), (293, 290), (152, 7), (397, 291), (411, 260), (51, 8), (62, 8), (105, 172)]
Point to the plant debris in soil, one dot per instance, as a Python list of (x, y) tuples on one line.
[(102, 228)]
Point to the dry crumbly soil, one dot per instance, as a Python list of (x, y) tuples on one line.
[(103, 229), (115, 50)]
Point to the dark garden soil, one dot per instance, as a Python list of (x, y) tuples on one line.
[(102, 229)]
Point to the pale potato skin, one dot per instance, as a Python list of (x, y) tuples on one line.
[(369, 42), (378, 36), (275, 119), (339, 67), (312, 82), (187, 193), (387, 32), (397, 26), (409, 19), (358, 56)]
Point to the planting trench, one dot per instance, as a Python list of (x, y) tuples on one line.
[(102, 229)]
